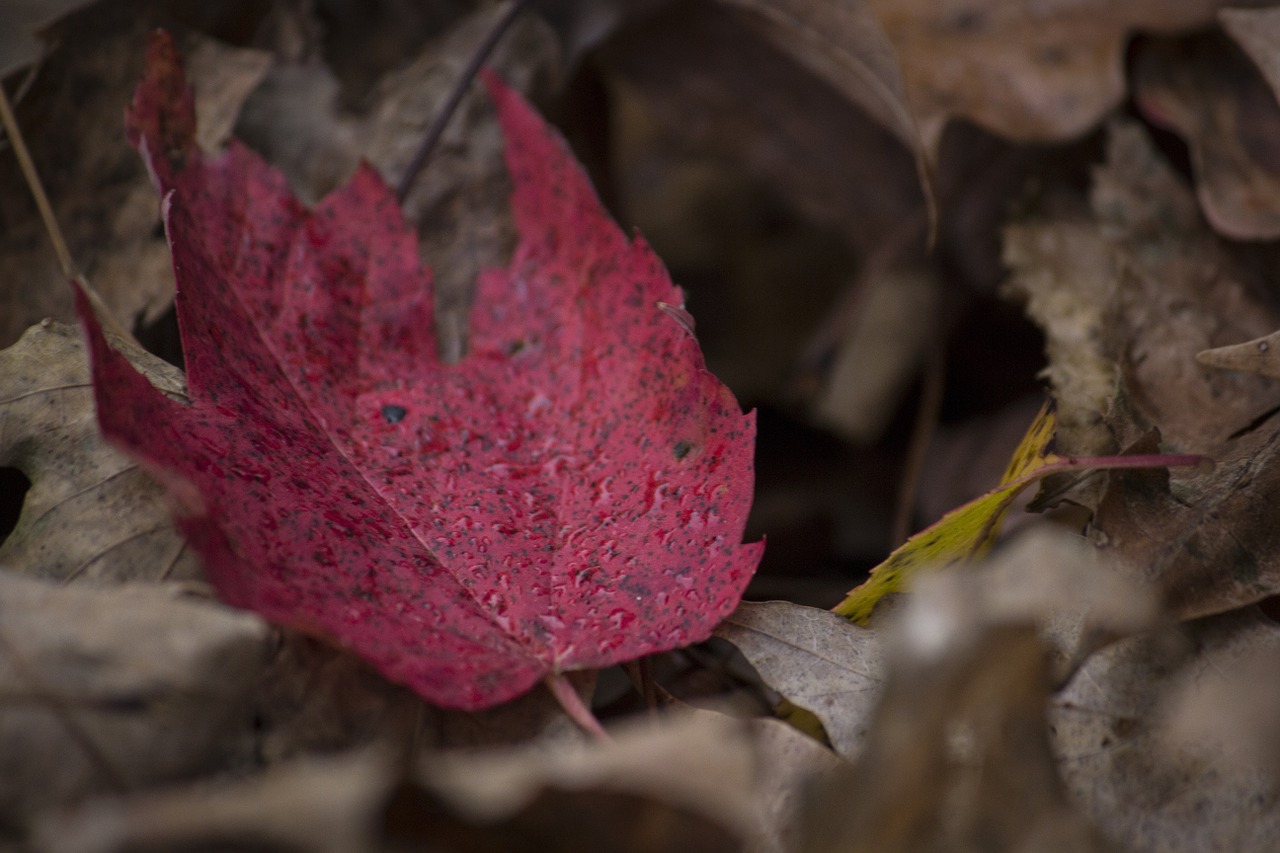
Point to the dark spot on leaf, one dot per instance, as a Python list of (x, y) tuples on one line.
[(394, 414), (682, 449)]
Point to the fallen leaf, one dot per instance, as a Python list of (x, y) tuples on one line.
[(1026, 72), (714, 86), (1205, 89), (90, 513), (328, 804), (101, 198), (788, 765), (1170, 268), (957, 752), (20, 20), (571, 495), (1064, 271), (845, 45), (1257, 31), (1111, 738), (1230, 717), (817, 660), (108, 689), (972, 529), (460, 202), (1206, 542)]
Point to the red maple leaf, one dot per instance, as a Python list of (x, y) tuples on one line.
[(571, 494)]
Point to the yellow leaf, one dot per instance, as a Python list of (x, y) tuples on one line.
[(972, 528), (963, 532)]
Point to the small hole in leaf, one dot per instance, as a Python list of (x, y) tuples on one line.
[(515, 347), (394, 414), (14, 486), (682, 449)]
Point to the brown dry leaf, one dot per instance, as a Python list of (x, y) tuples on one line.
[(1065, 271), (957, 755), (1179, 292), (700, 763), (329, 804), (817, 660), (789, 763), (1026, 71), (1258, 32), (108, 689), (714, 87), (72, 119), (1111, 739), (90, 512), (1208, 542), (1204, 88), (20, 20), (1231, 717), (844, 45), (1143, 285), (696, 782)]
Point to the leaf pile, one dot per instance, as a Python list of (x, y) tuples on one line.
[(900, 227)]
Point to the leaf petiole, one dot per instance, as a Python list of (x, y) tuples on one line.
[(573, 705)]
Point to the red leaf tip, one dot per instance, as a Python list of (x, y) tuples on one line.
[(161, 119)]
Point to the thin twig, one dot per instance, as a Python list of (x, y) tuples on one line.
[(573, 705), (65, 263), (37, 189), (455, 97)]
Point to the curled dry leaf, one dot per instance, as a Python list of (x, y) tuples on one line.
[(1028, 72), (1257, 31), (331, 804), (571, 495), (90, 512), (711, 84), (1204, 88), (817, 660), (1110, 735), (108, 689), (845, 45)]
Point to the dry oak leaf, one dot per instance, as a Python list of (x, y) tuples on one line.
[(817, 660), (90, 512), (571, 494), (1204, 88)]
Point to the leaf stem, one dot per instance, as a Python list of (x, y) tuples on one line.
[(573, 705), (32, 177)]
